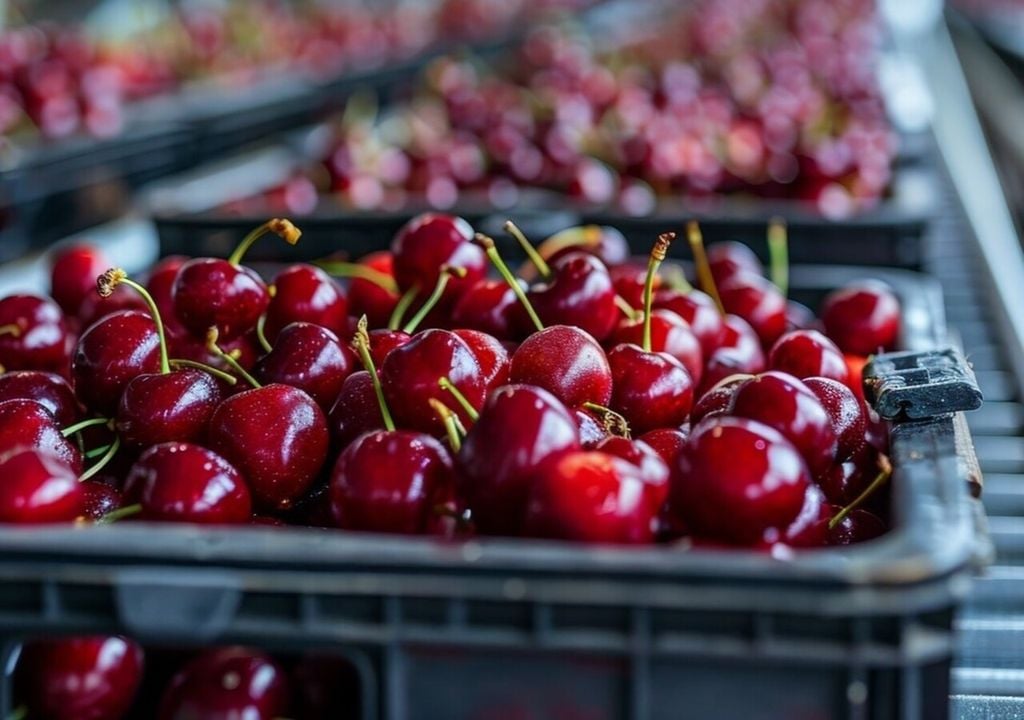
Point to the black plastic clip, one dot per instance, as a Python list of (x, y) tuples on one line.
[(921, 385)]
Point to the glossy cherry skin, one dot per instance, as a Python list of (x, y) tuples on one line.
[(736, 479), (157, 408), (73, 274), (567, 362), (808, 353), (845, 412), (653, 468), (580, 293), (490, 354), (304, 293), (109, 354), (784, 403), (187, 346), (227, 683), (79, 678), (38, 343), (355, 411), (98, 499), (669, 334), (182, 482), (667, 442), (519, 428), (276, 436), (810, 527), (430, 241), (862, 318), (489, 306), (718, 399), (28, 423), (799, 316), (370, 299), (209, 292), (38, 487), (859, 526), (390, 482), (48, 389), (410, 374), (629, 280), (606, 243), (94, 307), (844, 481), (309, 357), (593, 497), (728, 259), (591, 430), (160, 284), (759, 302), (651, 390), (383, 341), (698, 310)]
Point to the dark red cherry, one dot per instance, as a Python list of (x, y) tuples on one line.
[(427, 243), (810, 528), (48, 389), (95, 307), (606, 243), (112, 352), (210, 292), (859, 526), (98, 499), (27, 423), (652, 466), (808, 353), (592, 431), (370, 299), (182, 482), (567, 362), (844, 481), (304, 293), (245, 349), (629, 279), (862, 318), (355, 411), (160, 285), (845, 411), (489, 306), (784, 403), (79, 678), (309, 357), (520, 427), (390, 482), (737, 478), (651, 390), (730, 258), (410, 374), (580, 293), (698, 310), (667, 442), (227, 682), (718, 399), (32, 333), (73, 274), (490, 354), (176, 406), (669, 334), (383, 341), (38, 487), (276, 436), (759, 302)]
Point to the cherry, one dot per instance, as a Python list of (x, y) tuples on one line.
[(427, 243), (72, 275), (859, 526), (740, 354), (307, 294), (227, 682), (27, 423), (567, 362), (667, 442), (490, 354), (799, 316), (728, 259), (39, 486), (784, 403), (809, 529), (591, 430), (844, 481), (652, 466), (606, 243), (48, 389), (182, 482), (390, 481), (309, 357), (520, 427), (276, 436), (356, 410), (855, 364), (862, 318), (759, 302), (846, 414), (580, 293), (95, 307), (669, 334), (383, 341), (79, 678), (736, 479), (489, 306), (160, 285), (650, 390), (33, 333), (210, 292), (375, 293), (112, 352), (698, 309), (98, 499), (718, 399), (808, 353), (628, 280)]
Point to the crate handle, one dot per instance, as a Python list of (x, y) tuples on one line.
[(920, 385), (168, 603)]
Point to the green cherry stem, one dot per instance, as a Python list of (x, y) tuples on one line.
[(535, 257), (284, 229), (361, 343), (359, 271), (261, 333), (625, 308), (211, 344), (448, 419), (402, 306), (96, 452), (492, 254), (447, 272), (700, 257), (80, 426), (885, 472), (778, 253), (119, 514), (216, 372), (113, 277), (447, 384), (103, 461), (613, 422), (658, 253)]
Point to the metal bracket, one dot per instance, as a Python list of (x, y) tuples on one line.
[(921, 385)]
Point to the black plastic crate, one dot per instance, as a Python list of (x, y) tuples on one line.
[(555, 630)]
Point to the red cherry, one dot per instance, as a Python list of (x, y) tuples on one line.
[(356, 410), (844, 481), (519, 428), (728, 259), (737, 478), (209, 292), (810, 528), (32, 333), (79, 678), (98, 499), (580, 293), (490, 354), (160, 285), (304, 293), (567, 362), (855, 364), (383, 341), (309, 357), (390, 482), (629, 279), (49, 390), (718, 399), (370, 299), (27, 423), (808, 353), (698, 310), (591, 430), (95, 307), (845, 412), (112, 352), (39, 487), (606, 243), (164, 407), (651, 390), (427, 243), (669, 334), (859, 526), (759, 302), (276, 436), (73, 275), (181, 482), (667, 442), (862, 318), (488, 306), (652, 466)]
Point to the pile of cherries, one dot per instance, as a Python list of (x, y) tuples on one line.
[(112, 677), (590, 399)]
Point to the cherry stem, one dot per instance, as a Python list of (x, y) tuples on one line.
[(119, 514), (361, 343), (217, 373), (658, 253), (80, 426), (211, 344), (261, 333), (11, 329), (279, 226), (360, 271), (109, 280), (778, 253), (588, 236), (535, 257), (96, 452), (674, 278), (401, 306), (625, 308), (506, 274), (885, 472), (103, 461), (707, 280), (447, 272), (613, 422), (447, 384), (448, 418)]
